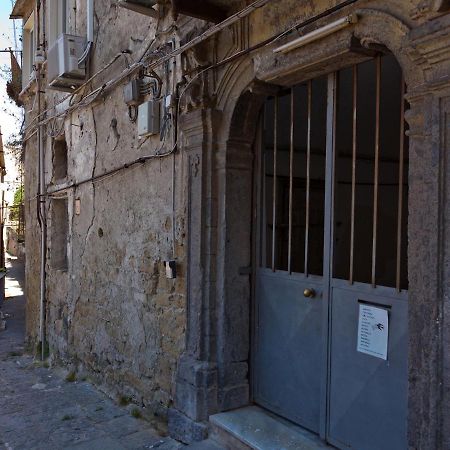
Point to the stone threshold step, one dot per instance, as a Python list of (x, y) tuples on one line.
[(255, 428)]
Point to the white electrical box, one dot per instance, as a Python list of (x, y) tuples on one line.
[(64, 72), (149, 118)]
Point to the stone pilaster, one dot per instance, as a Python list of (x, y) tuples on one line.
[(196, 382)]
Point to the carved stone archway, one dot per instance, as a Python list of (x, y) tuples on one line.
[(213, 372), (218, 143)]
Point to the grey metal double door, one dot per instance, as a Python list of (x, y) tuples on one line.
[(332, 240)]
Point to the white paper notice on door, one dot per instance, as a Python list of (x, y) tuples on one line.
[(373, 331)]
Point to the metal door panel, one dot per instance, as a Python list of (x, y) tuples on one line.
[(367, 394), (305, 364), (289, 347)]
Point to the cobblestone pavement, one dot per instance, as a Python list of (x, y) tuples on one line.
[(39, 409)]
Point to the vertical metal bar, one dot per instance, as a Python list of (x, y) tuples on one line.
[(291, 180), (354, 144), (308, 176), (262, 183), (400, 185), (259, 237), (328, 250), (274, 195), (376, 168)]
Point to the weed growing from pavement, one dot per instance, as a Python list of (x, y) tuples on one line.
[(38, 350), (71, 377), (124, 401), (136, 413)]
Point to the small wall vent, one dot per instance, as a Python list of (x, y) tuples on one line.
[(65, 73)]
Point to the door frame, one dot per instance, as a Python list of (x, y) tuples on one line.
[(328, 282), (211, 374)]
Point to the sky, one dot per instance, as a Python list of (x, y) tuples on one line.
[(9, 126)]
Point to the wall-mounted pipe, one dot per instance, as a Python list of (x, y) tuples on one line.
[(41, 196), (89, 32), (90, 21), (42, 213), (320, 33)]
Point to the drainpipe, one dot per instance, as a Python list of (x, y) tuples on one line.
[(41, 196), (89, 32), (43, 223), (90, 21)]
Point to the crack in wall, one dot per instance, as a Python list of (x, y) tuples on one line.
[(88, 232)]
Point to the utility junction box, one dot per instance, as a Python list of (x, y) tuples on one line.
[(148, 118)]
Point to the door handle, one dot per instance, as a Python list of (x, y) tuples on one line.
[(309, 293)]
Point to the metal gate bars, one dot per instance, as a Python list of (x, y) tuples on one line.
[(369, 112)]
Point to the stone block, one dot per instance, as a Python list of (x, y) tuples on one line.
[(196, 402), (233, 373), (185, 429), (199, 373), (234, 397)]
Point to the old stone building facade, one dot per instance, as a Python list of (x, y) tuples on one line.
[(166, 242)]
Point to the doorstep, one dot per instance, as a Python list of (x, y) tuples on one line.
[(253, 427)]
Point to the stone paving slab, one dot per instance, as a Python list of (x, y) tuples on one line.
[(40, 410), (98, 444)]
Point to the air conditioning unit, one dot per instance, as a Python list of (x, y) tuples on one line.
[(140, 6), (64, 73)]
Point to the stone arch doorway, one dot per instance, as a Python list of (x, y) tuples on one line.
[(213, 374), (250, 102), (331, 306)]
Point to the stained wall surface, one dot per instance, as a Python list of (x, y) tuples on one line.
[(184, 342)]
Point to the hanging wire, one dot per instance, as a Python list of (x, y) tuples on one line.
[(144, 63)]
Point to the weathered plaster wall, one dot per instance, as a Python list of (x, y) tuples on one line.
[(208, 367), (32, 242), (113, 313), (273, 19), (126, 319)]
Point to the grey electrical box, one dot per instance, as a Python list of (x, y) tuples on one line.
[(148, 118), (132, 93)]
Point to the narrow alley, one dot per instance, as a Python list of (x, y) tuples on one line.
[(42, 409)]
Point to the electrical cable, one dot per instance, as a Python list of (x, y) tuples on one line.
[(95, 179), (78, 89), (139, 161), (208, 33), (97, 92), (150, 65), (133, 113)]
